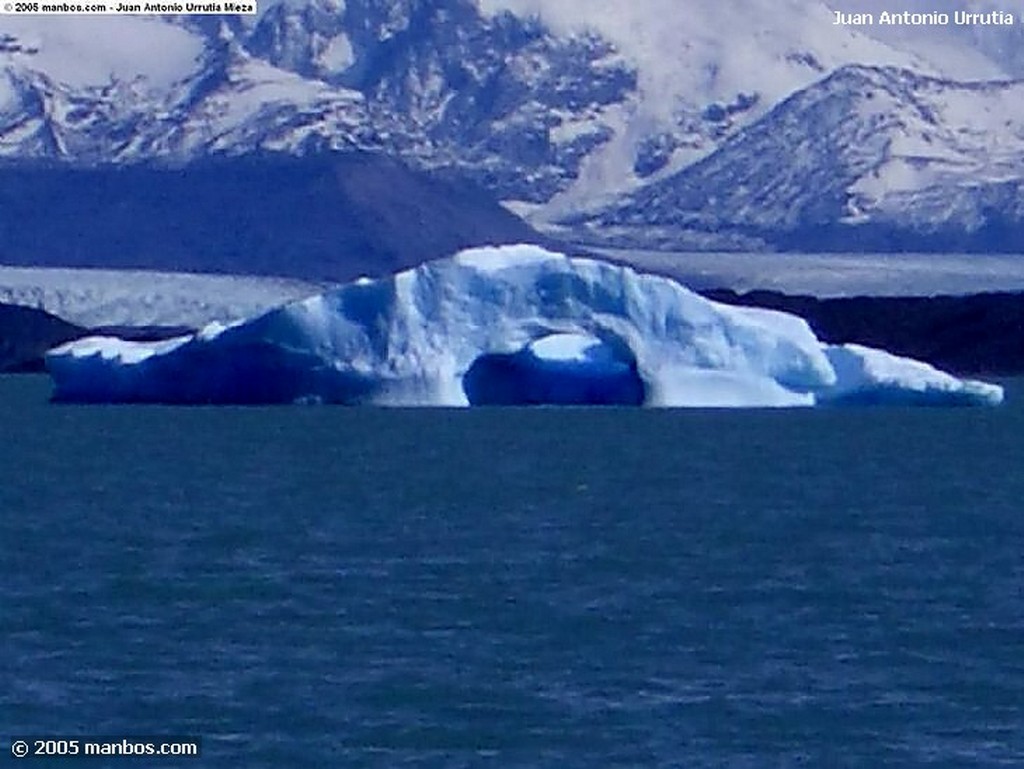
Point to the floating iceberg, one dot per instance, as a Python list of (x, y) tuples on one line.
[(867, 377), (504, 325)]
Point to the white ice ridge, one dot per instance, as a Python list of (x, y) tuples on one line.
[(867, 376), (505, 325)]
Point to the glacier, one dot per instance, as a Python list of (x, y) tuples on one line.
[(508, 325), (96, 297)]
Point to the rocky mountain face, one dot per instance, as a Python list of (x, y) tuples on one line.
[(232, 103), (496, 100), (743, 122), (500, 99), (868, 158)]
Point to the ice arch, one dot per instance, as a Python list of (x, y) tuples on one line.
[(557, 370), (509, 324)]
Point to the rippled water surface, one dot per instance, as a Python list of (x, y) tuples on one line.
[(516, 588)]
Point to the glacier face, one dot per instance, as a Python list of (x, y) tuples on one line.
[(499, 325), (147, 298)]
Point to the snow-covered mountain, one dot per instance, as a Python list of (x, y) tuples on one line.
[(522, 97), (873, 156), (225, 102), (567, 111), (705, 71), (498, 100)]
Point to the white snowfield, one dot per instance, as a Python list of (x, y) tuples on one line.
[(513, 324), (144, 298)]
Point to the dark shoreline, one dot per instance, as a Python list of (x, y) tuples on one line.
[(975, 334), (26, 333)]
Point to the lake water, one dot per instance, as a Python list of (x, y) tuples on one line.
[(329, 587)]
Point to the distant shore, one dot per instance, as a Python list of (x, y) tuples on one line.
[(976, 334)]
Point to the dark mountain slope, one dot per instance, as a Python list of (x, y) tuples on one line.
[(334, 217)]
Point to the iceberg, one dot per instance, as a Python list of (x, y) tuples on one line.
[(509, 325), (865, 376), (560, 369)]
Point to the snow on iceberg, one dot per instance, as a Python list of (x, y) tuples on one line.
[(504, 325), (865, 376)]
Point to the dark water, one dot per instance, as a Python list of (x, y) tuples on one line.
[(566, 588)]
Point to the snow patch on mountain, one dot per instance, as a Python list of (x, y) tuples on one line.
[(242, 104), (8, 91), (82, 51), (338, 56)]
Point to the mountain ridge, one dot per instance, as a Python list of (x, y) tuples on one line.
[(670, 139), (878, 158)]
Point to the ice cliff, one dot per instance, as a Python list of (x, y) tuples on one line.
[(505, 325)]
